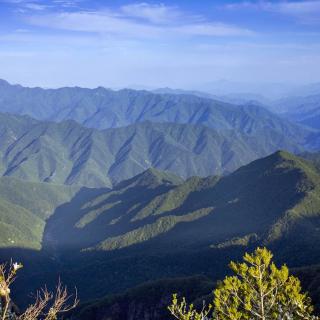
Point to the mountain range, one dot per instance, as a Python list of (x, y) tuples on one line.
[(99, 137), (102, 108), (68, 153), (138, 194), (303, 110), (158, 207), (158, 225)]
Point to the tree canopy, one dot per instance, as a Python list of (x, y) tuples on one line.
[(257, 290)]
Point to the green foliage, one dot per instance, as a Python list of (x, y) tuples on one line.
[(24, 207), (39, 198), (149, 231), (258, 290), (182, 311), (19, 227), (310, 280)]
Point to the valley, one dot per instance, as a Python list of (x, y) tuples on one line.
[(159, 160), (152, 201), (154, 224)]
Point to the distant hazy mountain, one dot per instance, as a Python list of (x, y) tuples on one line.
[(268, 90), (303, 110), (305, 90), (185, 92), (297, 104), (68, 153), (233, 98), (103, 108)]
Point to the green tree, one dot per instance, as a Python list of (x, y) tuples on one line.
[(180, 310), (258, 290)]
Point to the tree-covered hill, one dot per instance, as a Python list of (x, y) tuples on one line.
[(68, 153), (24, 208), (156, 225), (268, 200)]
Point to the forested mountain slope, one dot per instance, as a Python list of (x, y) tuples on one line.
[(24, 208), (68, 153), (267, 200), (156, 225)]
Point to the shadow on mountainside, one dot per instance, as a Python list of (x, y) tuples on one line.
[(96, 214)]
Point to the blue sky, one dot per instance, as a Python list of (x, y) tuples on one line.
[(181, 44)]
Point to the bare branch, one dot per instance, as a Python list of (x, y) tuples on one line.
[(60, 303)]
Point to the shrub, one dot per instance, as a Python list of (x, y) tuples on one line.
[(258, 290)]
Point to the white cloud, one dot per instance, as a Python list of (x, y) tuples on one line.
[(138, 20), (155, 13), (67, 3), (128, 23), (40, 5), (23, 5), (305, 11), (297, 8), (35, 6), (154, 44), (212, 29)]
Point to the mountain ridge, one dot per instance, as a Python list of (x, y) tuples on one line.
[(102, 108), (68, 153), (242, 199), (153, 226)]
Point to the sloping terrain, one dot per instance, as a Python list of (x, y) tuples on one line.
[(87, 218), (150, 300), (297, 104), (262, 202), (304, 110), (104, 108), (155, 225), (24, 207), (147, 301), (68, 153)]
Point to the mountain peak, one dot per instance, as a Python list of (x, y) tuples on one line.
[(282, 154), (290, 160), (4, 83), (279, 160)]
